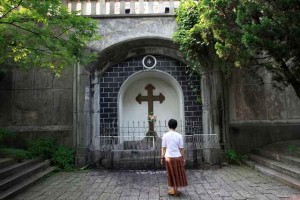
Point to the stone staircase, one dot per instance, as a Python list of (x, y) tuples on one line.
[(14, 177), (277, 161)]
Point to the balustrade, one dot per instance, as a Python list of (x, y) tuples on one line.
[(122, 7)]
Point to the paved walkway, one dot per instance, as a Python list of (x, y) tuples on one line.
[(231, 182)]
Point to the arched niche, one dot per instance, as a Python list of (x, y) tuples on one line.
[(130, 111)]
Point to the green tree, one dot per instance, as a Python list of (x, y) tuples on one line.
[(42, 33), (250, 34)]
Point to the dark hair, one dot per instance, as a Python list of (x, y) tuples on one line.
[(172, 123)]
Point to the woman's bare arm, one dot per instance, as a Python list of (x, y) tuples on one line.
[(163, 152), (182, 154)]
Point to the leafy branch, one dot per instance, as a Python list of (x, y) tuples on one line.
[(13, 8), (242, 34), (44, 34)]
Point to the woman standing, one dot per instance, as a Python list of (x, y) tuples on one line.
[(173, 153)]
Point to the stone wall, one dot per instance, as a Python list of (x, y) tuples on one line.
[(118, 30), (260, 114), (36, 104)]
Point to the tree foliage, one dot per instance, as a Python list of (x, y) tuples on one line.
[(244, 33), (42, 33)]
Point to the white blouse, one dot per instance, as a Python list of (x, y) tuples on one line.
[(173, 141)]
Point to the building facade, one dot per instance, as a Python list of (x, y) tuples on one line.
[(103, 109)]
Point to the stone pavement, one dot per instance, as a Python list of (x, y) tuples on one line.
[(230, 182)]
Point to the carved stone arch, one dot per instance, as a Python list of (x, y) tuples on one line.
[(136, 47)]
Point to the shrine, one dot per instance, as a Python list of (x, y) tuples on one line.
[(129, 92), (150, 99), (102, 109)]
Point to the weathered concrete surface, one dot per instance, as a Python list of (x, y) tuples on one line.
[(23, 79), (293, 104), (36, 104), (6, 81), (6, 102), (82, 115), (260, 114), (276, 103), (43, 79), (62, 107), (124, 38), (213, 110), (117, 30), (44, 100), (251, 100), (213, 104), (63, 135), (244, 138), (227, 183)]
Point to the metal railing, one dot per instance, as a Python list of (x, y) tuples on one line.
[(118, 143), (122, 7), (133, 147), (143, 152), (140, 128)]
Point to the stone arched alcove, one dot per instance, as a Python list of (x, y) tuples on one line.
[(130, 111), (115, 65)]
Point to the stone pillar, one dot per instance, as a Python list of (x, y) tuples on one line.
[(95, 117), (82, 118), (212, 93)]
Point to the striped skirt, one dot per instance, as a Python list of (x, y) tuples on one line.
[(176, 172)]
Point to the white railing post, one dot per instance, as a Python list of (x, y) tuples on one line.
[(172, 11), (112, 7), (161, 6), (83, 7), (93, 7), (132, 7), (74, 6), (102, 7), (150, 6), (153, 142), (141, 6), (122, 6)]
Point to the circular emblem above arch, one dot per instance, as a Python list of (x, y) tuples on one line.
[(149, 62)]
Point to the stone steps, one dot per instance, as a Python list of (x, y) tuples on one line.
[(274, 161), (4, 162), (7, 171), (24, 184), (284, 168), (18, 176), (290, 181), (292, 160)]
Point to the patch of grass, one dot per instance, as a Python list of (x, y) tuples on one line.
[(18, 154), (234, 158), (4, 135), (44, 147), (292, 148), (63, 157), (60, 156), (47, 148)]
